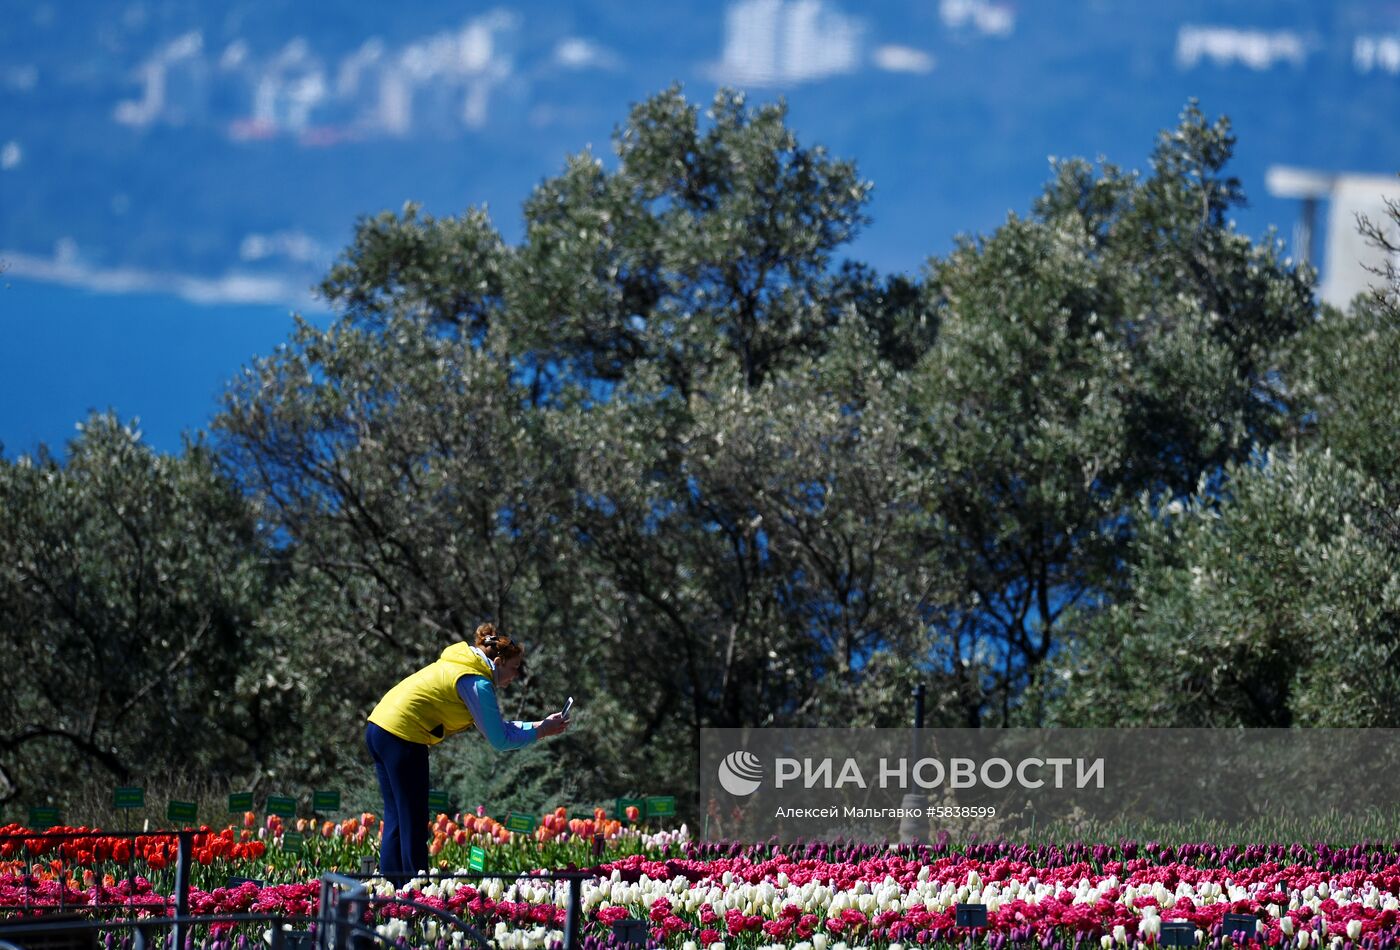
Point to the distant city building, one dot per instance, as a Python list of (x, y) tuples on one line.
[(1347, 261)]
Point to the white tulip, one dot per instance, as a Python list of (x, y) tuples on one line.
[(1353, 929), (1286, 925)]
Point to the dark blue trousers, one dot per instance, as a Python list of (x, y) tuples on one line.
[(402, 767)]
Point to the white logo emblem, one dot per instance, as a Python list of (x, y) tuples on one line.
[(740, 773)]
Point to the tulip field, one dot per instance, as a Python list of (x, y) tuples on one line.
[(692, 895)]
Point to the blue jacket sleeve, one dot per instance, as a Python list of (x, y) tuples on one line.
[(479, 695)]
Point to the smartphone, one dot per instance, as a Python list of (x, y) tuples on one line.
[(568, 705)]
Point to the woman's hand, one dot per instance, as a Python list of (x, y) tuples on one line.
[(552, 726)]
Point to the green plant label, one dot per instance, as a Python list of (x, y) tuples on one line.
[(437, 800), (293, 842), (476, 861), (128, 796), (181, 811), (661, 806), (624, 803), (282, 806), (325, 801), (519, 821), (240, 801), (43, 817)]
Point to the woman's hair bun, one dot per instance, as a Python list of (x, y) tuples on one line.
[(495, 645)]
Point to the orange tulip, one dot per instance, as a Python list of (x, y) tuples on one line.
[(250, 819), (561, 812)]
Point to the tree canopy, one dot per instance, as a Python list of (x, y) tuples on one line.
[(1107, 462)]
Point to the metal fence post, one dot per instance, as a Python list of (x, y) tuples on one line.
[(28, 870), (571, 915), (915, 829), (182, 887)]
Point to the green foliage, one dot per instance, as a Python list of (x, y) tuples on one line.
[(1273, 597), (130, 580), (1099, 465), (703, 248), (539, 438), (1277, 605), (414, 491), (1346, 377), (530, 780), (1122, 341), (447, 271)]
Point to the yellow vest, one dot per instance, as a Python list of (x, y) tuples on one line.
[(425, 707)]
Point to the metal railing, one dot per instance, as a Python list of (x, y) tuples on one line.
[(344, 901), (184, 854)]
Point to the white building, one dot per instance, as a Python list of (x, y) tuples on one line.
[(1346, 255)]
